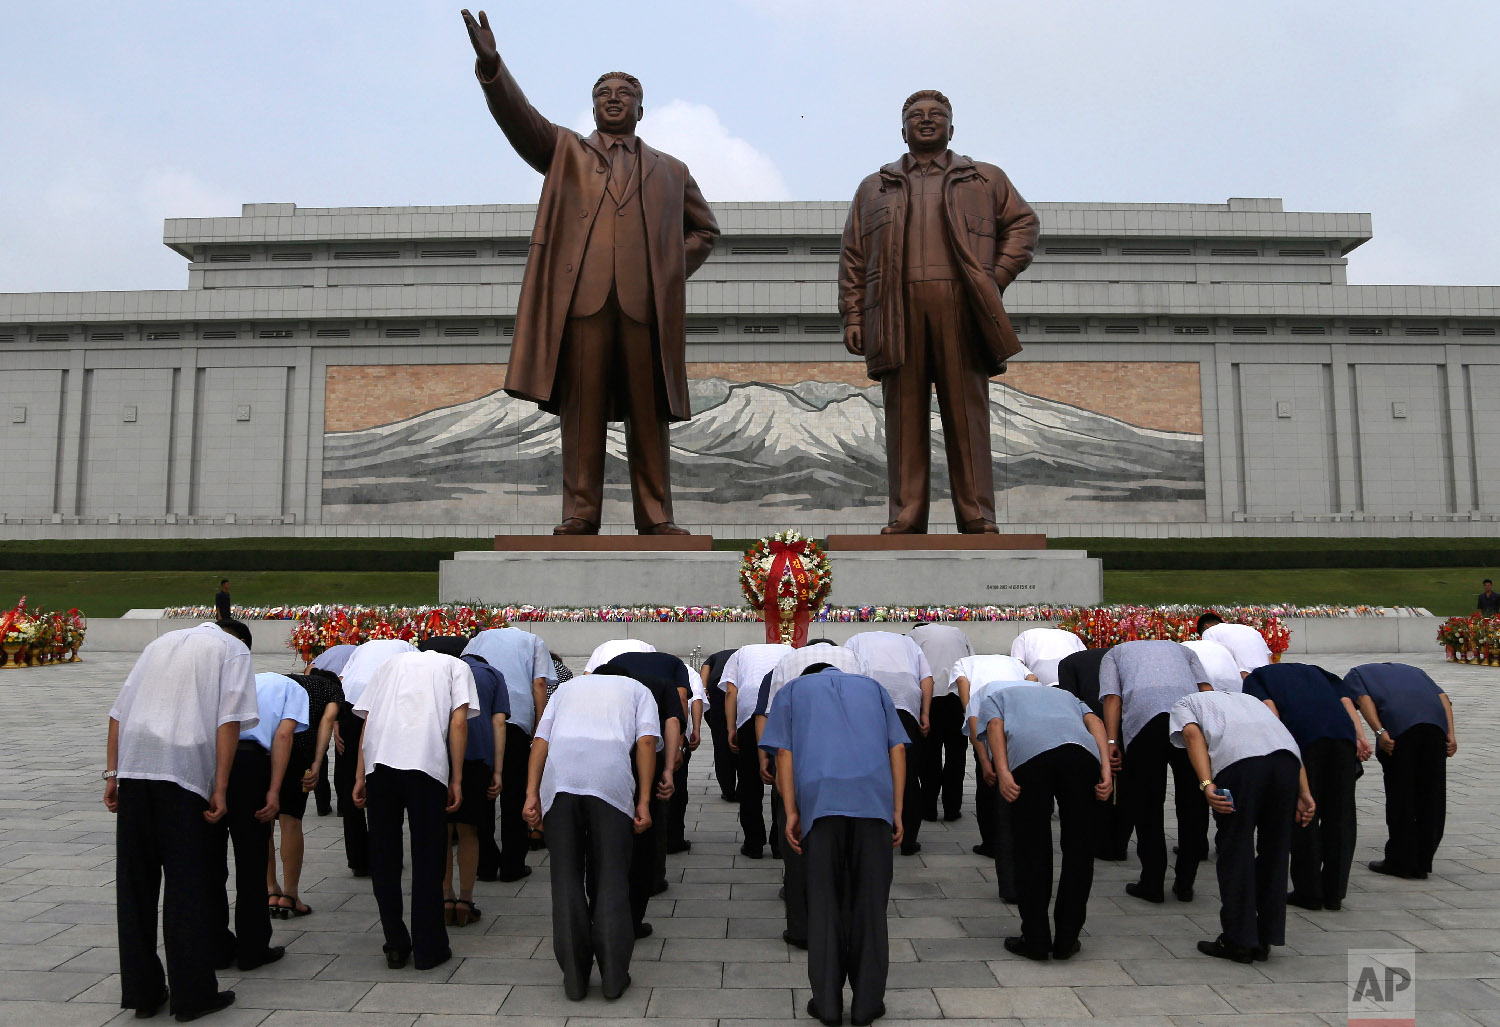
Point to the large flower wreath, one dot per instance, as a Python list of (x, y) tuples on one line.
[(786, 576)]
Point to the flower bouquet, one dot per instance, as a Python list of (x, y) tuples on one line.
[(787, 577)]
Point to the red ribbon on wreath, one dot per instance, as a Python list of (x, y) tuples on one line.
[(788, 594)]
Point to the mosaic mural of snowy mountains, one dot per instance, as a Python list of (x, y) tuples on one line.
[(804, 448)]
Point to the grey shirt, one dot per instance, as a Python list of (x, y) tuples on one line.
[(1148, 676), (1037, 720), (943, 645), (1236, 727)]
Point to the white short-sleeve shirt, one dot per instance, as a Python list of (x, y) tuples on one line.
[(745, 669), (366, 659), (183, 688), (407, 706), (981, 670), (1247, 644), (608, 650), (1235, 727), (898, 663), (1042, 649), (795, 663), (591, 726), (1223, 671)]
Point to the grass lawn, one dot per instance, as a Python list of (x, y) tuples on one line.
[(1443, 590)]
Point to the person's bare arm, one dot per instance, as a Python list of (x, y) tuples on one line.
[(538, 699), (786, 785), (1111, 704), (767, 774), (1106, 783), (532, 811), (1448, 711), (357, 793), (1000, 756), (458, 741), (281, 752), (1306, 807), (731, 703), (1197, 750), (531, 135), (697, 734), (326, 725), (226, 740), (645, 769), (898, 782), (1361, 744), (112, 762), (671, 749), (925, 723), (1372, 717)]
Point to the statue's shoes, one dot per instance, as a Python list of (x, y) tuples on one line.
[(900, 529), (576, 526), (979, 526), (664, 528)]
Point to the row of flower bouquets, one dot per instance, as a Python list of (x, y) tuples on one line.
[(39, 638), (1472, 639)]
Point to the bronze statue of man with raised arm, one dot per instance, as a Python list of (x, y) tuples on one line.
[(931, 242), (599, 324)]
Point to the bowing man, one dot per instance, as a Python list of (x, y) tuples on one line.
[(741, 683), (897, 662), (973, 676), (359, 668)]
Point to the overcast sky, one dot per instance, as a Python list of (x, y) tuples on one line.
[(116, 115)]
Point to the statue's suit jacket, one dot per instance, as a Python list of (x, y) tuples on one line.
[(680, 232), (993, 232)]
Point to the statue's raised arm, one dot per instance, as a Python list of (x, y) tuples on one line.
[(532, 136)]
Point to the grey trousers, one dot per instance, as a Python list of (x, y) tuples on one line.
[(849, 866), (589, 844)]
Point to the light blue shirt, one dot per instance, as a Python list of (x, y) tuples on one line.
[(521, 658), (1037, 720), (278, 698), (840, 729)]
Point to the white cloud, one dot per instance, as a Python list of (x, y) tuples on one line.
[(725, 166)]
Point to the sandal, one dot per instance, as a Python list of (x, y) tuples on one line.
[(274, 909), (468, 915), (450, 912), (298, 908)]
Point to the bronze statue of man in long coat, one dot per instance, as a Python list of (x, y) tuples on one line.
[(599, 325), (931, 242)]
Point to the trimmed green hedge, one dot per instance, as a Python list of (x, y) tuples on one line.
[(1233, 554)]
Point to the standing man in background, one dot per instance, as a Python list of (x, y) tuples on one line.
[(222, 609), (1488, 603), (942, 771)]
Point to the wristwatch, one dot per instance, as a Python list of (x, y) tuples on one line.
[(1205, 783), (108, 774), (1379, 731)]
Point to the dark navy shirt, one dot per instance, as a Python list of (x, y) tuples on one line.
[(716, 664), (1308, 699), (1079, 675), (1404, 696), (489, 685), (840, 729), (763, 697), (662, 674)]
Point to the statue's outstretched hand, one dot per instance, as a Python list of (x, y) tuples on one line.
[(484, 43)]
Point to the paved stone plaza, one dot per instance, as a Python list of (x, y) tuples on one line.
[(717, 953)]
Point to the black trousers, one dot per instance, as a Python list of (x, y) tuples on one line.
[(1323, 850), (390, 795), (249, 780), (942, 772), (160, 833), (986, 797), (752, 790), (515, 837), (677, 807), (1066, 775), (1143, 782), (356, 829), (793, 872), (1113, 827), (849, 870), (586, 838), (648, 861), (1254, 842), (911, 801), (726, 763), (996, 831), (1416, 797)]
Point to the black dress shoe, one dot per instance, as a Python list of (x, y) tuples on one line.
[(147, 1010), (950, 817), (756, 853), (1021, 947), (682, 846), (1293, 899), (1183, 893), (439, 960), (396, 958), (865, 1021), (812, 1011), (1383, 866), (983, 850), (523, 872), (1139, 891), (912, 849), (1010, 900), (223, 1000), (659, 887), (1220, 948), (729, 797), (623, 988), (1066, 951), (796, 943), (576, 526), (1334, 904), (270, 955), (324, 811), (931, 818), (644, 930), (1260, 953)]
